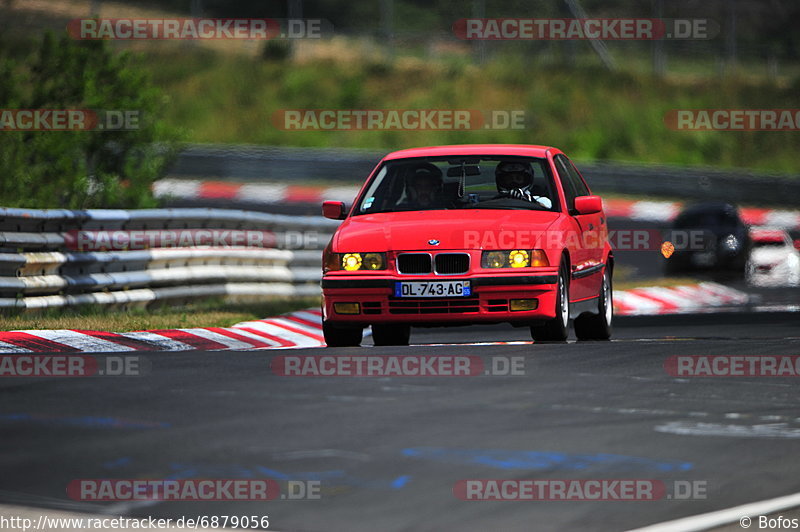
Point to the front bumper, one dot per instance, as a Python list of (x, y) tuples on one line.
[(489, 301)]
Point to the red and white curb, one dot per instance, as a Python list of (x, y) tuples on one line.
[(659, 300), (266, 193), (294, 330), (304, 328), (271, 193)]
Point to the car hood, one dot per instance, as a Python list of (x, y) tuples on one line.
[(454, 229)]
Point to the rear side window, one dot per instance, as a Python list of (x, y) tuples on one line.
[(575, 177)]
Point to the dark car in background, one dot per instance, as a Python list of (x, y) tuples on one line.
[(709, 237)]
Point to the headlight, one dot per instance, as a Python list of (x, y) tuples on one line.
[(731, 243), (515, 258), (374, 261), (518, 258), (353, 262), (493, 259)]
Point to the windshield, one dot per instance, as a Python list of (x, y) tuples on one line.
[(707, 219), (458, 182)]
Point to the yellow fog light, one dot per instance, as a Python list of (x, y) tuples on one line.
[(667, 249), (523, 304), (374, 261), (518, 258), (347, 308), (351, 262)]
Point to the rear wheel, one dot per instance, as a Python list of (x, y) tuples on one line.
[(556, 329), (598, 326), (395, 334), (341, 336)]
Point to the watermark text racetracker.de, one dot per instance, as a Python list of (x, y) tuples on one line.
[(396, 119), (126, 29), (396, 366), (733, 365), (73, 365), (618, 239), (733, 119), (606, 29), (601, 489), (69, 119), (225, 489), (137, 239)]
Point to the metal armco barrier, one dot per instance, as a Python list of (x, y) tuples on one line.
[(301, 165), (56, 258)]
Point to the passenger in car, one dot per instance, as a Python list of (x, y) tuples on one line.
[(424, 188)]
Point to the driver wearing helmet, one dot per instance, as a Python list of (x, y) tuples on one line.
[(515, 180), (424, 187)]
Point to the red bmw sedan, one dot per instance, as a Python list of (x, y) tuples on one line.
[(459, 235)]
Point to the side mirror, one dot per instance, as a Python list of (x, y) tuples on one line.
[(588, 204), (335, 210)]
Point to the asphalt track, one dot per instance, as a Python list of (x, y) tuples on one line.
[(388, 451)]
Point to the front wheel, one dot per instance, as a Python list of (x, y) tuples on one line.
[(598, 326), (557, 328), (395, 334), (341, 336)]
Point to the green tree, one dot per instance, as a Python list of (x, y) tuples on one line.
[(82, 169)]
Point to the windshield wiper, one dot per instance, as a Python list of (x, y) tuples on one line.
[(502, 203)]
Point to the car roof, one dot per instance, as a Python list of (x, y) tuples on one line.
[(709, 206), (522, 150)]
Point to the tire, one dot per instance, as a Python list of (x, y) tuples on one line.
[(556, 329), (342, 336), (396, 334), (598, 326)]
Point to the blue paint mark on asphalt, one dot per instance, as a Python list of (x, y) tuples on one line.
[(334, 476), (83, 421), (119, 462), (400, 481), (182, 471), (273, 473), (506, 459)]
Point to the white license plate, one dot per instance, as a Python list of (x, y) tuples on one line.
[(432, 289)]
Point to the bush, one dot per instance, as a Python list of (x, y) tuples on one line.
[(81, 169), (276, 50)]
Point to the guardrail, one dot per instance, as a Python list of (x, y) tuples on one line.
[(302, 165), (55, 258)]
